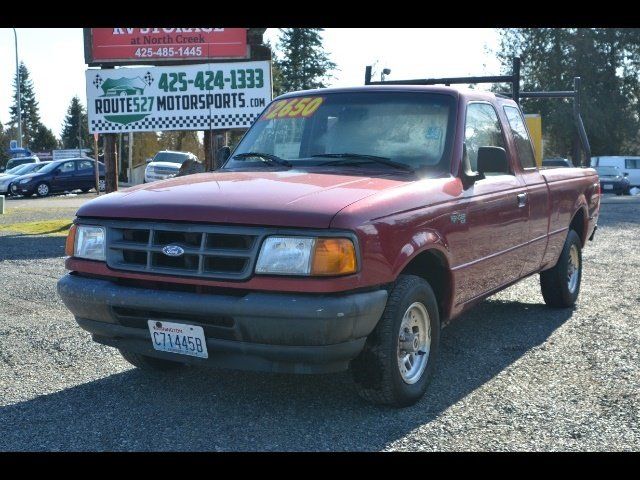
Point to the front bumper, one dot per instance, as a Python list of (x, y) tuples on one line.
[(27, 189), (290, 333), (616, 186)]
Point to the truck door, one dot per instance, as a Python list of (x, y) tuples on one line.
[(537, 195), (490, 255)]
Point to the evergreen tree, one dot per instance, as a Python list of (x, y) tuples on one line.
[(305, 64), (75, 125), (606, 59), (44, 140), (4, 146), (28, 106)]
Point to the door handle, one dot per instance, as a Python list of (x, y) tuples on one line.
[(522, 199)]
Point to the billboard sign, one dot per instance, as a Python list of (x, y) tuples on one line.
[(158, 45), (181, 97), (70, 153)]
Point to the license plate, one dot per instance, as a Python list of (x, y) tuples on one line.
[(178, 338), (607, 187)]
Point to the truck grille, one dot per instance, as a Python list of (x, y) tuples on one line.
[(164, 170), (215, 252)]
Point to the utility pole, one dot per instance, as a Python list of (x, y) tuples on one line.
[(15, 37), (79, 132), (110, 162)]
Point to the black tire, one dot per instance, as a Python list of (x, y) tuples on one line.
[(554, 282), (48, 190), (85, 190), (145, 362), (376, 371)]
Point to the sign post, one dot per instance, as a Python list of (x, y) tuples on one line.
[(97, 165)]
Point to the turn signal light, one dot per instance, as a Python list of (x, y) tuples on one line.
[(69, 246), (334, 256)]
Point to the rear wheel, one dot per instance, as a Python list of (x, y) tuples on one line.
[(397, 362), (42, 190), (145, 362), (561, 284)]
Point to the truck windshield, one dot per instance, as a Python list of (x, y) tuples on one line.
[(170, 157), (608, 171), (390, 129)]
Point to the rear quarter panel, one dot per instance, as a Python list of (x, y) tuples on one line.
[(570, 190)]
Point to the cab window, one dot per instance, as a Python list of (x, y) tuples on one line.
[(482, 129), (521, 137)]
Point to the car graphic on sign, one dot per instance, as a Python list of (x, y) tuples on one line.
[(113, 87)]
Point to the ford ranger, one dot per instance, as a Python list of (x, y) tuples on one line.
[(346, 228)]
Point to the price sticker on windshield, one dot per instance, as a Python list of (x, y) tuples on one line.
[(297, 107)]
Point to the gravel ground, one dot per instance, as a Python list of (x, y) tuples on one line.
[(513, 375)]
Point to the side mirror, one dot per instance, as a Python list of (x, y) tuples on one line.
[(223, 154), (493, 160), (149, 160), (1, 169)]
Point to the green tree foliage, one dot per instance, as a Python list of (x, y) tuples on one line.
[(304, 64), (4, 145), (145, 145), (76, 125), (28, 106), (608, 62), (44, 139), (182, 141)]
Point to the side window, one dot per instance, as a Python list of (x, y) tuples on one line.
[(85, 165), (482, 129), (631, 163), (67, 167), (521, 136)]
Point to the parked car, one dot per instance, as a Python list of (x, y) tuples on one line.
[(613, 180), (14, 162), (629, 166), (15, 172), (166, 164), (556, 162), (59, 176), (345, 229)]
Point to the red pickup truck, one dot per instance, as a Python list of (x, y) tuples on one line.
[(346, 228)]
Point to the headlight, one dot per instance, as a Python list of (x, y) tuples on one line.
[(88, 242), (26, 180), (307, 256)]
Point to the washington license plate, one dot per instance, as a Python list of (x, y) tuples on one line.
[(178, 338), (607, 187)]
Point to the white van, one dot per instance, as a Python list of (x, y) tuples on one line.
[(629, 166)]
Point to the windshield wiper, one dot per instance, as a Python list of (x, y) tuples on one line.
[(266, 156), (362, 158)]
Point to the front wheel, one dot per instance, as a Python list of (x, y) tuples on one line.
[(561, 284), (42, 190), (398, 359)]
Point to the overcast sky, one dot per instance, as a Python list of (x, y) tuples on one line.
[(55, 59)]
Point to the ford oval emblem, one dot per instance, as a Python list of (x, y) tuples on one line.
[(173, 251)]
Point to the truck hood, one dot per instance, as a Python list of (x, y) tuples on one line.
[(290, 198), (173, 165)]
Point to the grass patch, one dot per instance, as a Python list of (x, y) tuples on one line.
[(40, 227)]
